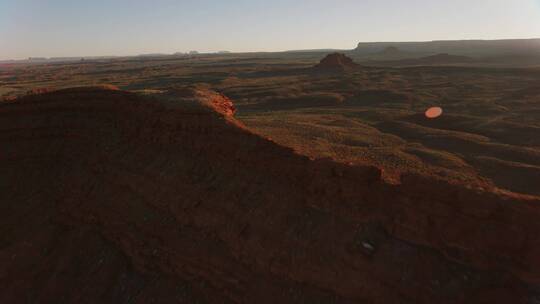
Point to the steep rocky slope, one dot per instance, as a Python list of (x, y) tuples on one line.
[(112, 197)]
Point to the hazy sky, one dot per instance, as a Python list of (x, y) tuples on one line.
[(127, 27)]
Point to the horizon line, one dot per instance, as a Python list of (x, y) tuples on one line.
[(225, 52)]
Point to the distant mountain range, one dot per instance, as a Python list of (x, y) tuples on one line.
[(374, 50), (474, 48), (438, 59), (56, 59)]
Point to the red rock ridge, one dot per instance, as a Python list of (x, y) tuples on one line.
[(112, 197)]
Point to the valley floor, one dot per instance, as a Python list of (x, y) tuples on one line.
[(488, 134)]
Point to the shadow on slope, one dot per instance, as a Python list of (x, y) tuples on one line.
[(114, 197)]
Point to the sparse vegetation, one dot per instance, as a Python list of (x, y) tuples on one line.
[(365, 115)]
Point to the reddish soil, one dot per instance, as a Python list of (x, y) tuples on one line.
[(112, 197)]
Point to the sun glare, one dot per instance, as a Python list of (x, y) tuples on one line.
[(434, 112)]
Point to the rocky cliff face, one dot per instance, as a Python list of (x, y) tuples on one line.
[(111, 197)]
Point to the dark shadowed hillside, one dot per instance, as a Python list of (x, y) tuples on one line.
[(114, 197)]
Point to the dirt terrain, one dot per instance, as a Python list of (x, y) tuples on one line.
[(119, 197), (369, 115)]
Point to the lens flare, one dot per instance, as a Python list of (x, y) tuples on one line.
[(434, 112)]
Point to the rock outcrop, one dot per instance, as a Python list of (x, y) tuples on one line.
[(112, 197), (336, 62)]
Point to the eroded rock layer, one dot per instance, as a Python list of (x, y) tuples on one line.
[(112, 197)]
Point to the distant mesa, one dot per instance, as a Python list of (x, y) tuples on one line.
[(37, 59), (437, 59), (471, 48), (442, 58), (336, 61), (445, 58), (391, 50), (149, 55), (391, 53)]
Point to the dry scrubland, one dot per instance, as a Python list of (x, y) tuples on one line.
[(115, 197), (147, 186), (487, 136)]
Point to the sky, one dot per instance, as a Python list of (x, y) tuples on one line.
[(58, 28)]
